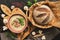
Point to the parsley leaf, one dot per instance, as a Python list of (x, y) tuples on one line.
[(21, 20), (29, 3)]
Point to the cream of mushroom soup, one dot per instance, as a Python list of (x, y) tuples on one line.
[(17, 22)]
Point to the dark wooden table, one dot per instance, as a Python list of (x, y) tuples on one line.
[(49, 33)]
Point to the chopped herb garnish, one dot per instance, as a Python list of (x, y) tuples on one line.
[(21, 21)]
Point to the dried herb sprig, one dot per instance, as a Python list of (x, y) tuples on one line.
[(11, 35)]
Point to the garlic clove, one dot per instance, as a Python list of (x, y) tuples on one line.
[(26, 8), (2, 15), (12, 7), (5, 21), (4, 28), (33, 33), (43, 38)]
